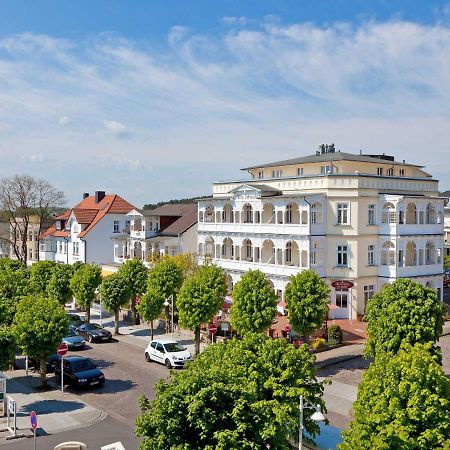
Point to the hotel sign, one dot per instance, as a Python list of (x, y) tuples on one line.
[(341, 285)]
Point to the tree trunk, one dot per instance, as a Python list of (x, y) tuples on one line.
[(116, 321), (88, 314), (151, 329), (306, 336), (197, 340), (135, 315), (43, 370)]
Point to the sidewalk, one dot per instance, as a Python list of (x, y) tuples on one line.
[(56, 411)]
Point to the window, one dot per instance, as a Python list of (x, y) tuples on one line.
[(248, 250), (35, 236), (58, 225), (30, 236), (116, 226), (288, 254), (261, 174), (389, 214), (299, 171), (371, 255), (277, 173), (342, 299), (289, 213), (30, 253), (390, 172), (402, 172), (388, 254), (371, 215), (342, 214), (76, 248), (248, 214), (342, 255), (400, 258), (326, 169), (127, 224), (379, 171), (369, 292)]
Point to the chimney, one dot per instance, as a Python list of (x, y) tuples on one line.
[(85, 195), (99, 196)]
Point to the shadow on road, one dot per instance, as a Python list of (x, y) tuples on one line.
[(50, 406), (111, 386)]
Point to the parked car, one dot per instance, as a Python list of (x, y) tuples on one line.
[(446, 281), (73, 317), (80, 372), (168, 352), (51, 362), (93, 332), (74, 341), (75, 323)]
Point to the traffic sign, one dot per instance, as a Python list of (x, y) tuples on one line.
[(62, 349), (33, 420), (212, 328)]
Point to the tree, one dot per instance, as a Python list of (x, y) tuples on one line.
[(165, 278), (58, 287), (403, 403), (13, 286), (135, 274), (187, 262), (115, 292), (238, 395), (84, 283), (40, 275), (200, 298), (150, 306), (8, 347), (403, 311), (21, 197), (254, 303), (446, 262), (40, 324), (307, 298)]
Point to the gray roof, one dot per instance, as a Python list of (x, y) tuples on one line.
[(328, 157)]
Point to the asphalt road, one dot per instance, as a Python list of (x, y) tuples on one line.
[(128, 376)]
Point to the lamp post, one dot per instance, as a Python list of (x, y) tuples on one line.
[(166, 303), (317, 417)]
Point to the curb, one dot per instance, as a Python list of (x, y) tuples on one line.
[(332, 363)]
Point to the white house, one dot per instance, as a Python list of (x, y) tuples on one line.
[(84, 232)]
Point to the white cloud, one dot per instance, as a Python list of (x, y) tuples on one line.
[(33, 158), (253, 93), (232, 20)]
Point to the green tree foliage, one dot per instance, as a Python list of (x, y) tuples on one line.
[(187, 263), (58, 287), (200, 298), (8, 347), (242, 395), (40, 323), (135, 274), (40, 275), (150, 306), (307, 298), (403, 403), (254, 303), (403, 311), (115, 292), (446, 262), (86, 279)]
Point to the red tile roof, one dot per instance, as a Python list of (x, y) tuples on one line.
[(89, 213)]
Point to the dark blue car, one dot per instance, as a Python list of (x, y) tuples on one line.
[(80, 372), (73, 341)]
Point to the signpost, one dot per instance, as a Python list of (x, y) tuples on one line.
[(212, 328), (11, 410), (33, 420), (62, 350)]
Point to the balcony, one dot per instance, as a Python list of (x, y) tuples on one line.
[(409, 271), (255, 228)]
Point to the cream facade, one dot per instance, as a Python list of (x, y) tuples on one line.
[(362, 219)]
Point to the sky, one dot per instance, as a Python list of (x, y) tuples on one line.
[(157, 99)]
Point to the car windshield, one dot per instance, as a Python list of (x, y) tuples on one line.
[(173, 347), (80, 366), (93, 326), (71, 333)]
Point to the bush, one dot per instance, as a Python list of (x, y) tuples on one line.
[(318, 344), (335, 335)]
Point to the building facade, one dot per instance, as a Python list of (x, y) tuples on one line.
[(359, 221), (84, 232), (170, 229)]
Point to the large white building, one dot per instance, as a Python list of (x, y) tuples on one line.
[(84, 232), (360, 221)]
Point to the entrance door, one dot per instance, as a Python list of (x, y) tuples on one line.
[(341, 302)]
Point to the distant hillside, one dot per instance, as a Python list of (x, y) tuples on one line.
[(174, 202)]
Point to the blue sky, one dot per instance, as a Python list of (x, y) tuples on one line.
[(157, 99)]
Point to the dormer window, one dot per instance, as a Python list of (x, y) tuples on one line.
[(299, 171), (390, 172), (58, 225), (402, 172), (277, 173), (379, 171), (261, 174), (326, 169)]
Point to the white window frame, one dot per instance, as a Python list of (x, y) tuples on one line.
[(116, 226), (324, 170), (339, 297), (299, 171), (371, 215), (342, 255), (343, 212), (371, 255), (368, 293)]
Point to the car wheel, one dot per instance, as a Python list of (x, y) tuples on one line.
[(90, 338), (147, 357), (168, 365), (110, 339)]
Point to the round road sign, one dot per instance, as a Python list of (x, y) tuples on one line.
[(212, 328), (62, 349), (33, 420)]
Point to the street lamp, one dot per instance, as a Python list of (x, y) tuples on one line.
[(166, 303), (317, 417)]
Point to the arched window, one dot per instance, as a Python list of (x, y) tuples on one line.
[(248, 250), (288, 214), (388, 214), (248, 213), (227, 214), (411, 213), (209, 214), (411, 254), (430, 253), (268, 252), (430, 214), (388, 254), (268, 215)]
